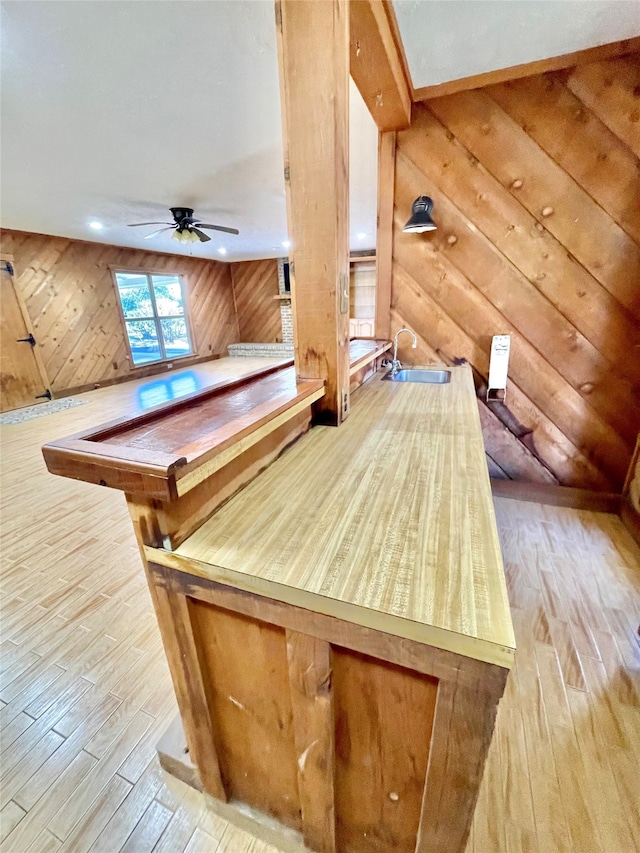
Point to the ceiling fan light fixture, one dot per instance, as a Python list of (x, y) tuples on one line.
[(420, 220), (184, 235), (185, 228)]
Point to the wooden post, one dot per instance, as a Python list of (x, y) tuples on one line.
[(313, 51)]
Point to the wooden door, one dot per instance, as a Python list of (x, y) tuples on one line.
[(21, 380)]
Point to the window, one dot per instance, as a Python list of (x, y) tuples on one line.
[(155, 319)]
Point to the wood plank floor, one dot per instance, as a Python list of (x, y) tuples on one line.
[(85, 692)]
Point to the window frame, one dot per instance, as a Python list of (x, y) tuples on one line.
[(156, 319)]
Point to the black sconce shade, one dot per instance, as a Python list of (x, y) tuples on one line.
[(420, 216)]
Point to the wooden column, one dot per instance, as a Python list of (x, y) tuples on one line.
[(313, 50)]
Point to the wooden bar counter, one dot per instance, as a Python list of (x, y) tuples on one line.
[(338, 631)]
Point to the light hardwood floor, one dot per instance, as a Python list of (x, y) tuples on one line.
[(85, 692)]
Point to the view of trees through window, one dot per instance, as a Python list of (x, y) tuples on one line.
[(154, 316)]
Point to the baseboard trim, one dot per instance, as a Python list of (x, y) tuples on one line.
[(557, 495)]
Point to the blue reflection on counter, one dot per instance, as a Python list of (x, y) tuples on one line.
[(163, 390)]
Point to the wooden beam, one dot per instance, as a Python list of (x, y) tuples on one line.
[(377, 64), (384, 237), (540, 66), (313, 54)]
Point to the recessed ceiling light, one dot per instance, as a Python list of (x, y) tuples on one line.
[(222, 250), (286, 243), (95, 225), (361, 235)]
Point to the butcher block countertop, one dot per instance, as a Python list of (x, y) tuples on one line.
[(386, 521)]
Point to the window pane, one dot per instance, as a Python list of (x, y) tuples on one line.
[(134, 295), (168, 293), (143, 340), (176, 339), (128, 279)]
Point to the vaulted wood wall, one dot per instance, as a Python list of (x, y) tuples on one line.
[(255, 285), (68, 290), (536, 189)]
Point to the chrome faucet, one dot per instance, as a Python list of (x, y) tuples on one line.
[(395, 364)]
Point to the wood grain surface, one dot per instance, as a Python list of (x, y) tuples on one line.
[(535, 185), (362, 353), (70, 297), (377, 64), (255, 286), (387, 522), (383, 719), (246, 676), (192, 438), (81, 655), (313, 61)]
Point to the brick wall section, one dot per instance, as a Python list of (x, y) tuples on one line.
[(286, 315)]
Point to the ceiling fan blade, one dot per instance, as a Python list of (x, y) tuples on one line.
[(161, 231), (136, 224), (204, 238), (218, 228)]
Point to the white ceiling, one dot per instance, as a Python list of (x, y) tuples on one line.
[(115, 110), (448, 39)]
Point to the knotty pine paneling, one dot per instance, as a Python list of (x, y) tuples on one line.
[(255, 286), (536, 189), (68, 290)]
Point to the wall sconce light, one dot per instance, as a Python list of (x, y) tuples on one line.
[(420, 216)]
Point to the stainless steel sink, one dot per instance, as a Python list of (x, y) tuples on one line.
[(419, 374)]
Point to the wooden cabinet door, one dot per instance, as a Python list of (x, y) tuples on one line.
[(20, 378)]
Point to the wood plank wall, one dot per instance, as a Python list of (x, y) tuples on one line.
[(68, 290), (255, 286), (536, 189)]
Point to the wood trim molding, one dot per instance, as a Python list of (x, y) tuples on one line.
[(377, 64), (332, 628), (540, 66), (556, 495), (384, 237)]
